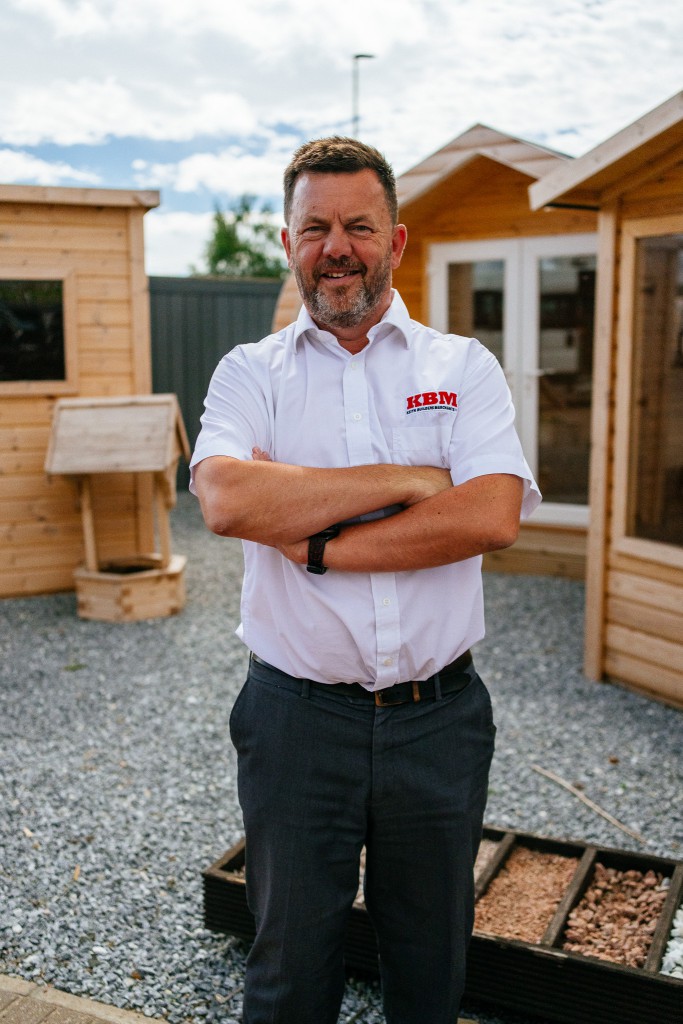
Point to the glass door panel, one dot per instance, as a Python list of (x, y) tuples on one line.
[(566, 305), (475, 302), (531, 302), (656, 472)]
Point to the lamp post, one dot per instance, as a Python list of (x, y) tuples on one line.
[(355, 117)]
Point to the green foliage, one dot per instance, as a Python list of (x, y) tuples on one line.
[(245, 242)]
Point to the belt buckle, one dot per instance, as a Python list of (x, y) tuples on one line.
[(380, 701)]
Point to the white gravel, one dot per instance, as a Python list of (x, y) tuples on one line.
[(117, 777)]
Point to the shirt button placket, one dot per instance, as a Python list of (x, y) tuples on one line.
[(359, 448)]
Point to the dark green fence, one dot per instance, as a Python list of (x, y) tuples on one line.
[(195, 321)]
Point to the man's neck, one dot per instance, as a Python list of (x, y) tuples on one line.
[(354, 339)]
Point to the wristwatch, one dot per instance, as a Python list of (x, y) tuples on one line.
[(316, 549)]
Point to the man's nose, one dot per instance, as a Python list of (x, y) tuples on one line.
[(337, 242)]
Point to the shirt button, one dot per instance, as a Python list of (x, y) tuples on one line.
[(388, 662), (386, 601), (357, 416)]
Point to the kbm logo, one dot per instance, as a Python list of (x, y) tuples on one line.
[(431, 400)]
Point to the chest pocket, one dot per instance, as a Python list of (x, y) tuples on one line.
[(420, 446)]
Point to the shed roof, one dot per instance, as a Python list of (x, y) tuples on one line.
[(588, 178), (56, 194), (130, 433), (478, 141)]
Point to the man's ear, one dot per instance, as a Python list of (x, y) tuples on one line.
[(284, 237), (398, 243)]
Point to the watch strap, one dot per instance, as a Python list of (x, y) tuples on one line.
[(316, 549)]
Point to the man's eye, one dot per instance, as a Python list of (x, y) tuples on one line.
[(361, 228)]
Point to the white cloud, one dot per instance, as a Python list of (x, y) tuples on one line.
[(229, 172), (23, 167), (88, 111), (175, 241)]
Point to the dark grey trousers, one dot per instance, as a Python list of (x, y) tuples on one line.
[(319, 776)]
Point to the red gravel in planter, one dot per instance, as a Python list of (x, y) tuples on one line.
[(522, 898), (617, 916)]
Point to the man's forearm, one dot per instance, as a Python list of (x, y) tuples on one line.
[(276, 503), (478, 516)]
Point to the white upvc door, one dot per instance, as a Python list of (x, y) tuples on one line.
[(530, 301)]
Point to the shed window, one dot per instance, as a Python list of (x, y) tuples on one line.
[(656, 477), (32, 331)]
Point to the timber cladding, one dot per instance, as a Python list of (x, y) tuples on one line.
[(90, 242)]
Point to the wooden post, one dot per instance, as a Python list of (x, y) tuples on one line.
[(163, 524), (85, 493)]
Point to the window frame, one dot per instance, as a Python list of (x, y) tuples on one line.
[(624, 478), (68, 385)]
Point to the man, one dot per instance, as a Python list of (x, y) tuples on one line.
[(367, 462)]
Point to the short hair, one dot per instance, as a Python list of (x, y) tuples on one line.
[(339, 155)]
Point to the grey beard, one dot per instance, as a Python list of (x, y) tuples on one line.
[(351, 315), (331, 315)]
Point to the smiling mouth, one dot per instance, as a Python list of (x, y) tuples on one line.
[(339, 275)]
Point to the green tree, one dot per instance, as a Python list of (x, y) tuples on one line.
[(245, 242)]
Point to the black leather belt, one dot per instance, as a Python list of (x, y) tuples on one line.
[(450, 679)]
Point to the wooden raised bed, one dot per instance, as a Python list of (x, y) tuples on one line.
[(538, 978)]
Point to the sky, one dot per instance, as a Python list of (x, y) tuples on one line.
[(205, 100)]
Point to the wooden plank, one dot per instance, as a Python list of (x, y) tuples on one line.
[(600, 460), (102, 336), (39, 510), (47, 555), (81, 260), (518, 560), (105, 360), (32, 534), (655, 206), (24, 439), (15, 583), (543, 551), (139, 305), (89, 538), (660, 594), (98, 288), (643, 174), (645, 618), (104, 313), (106, 387), (658, 571), (20, 461), (660, 682), (27, 213), (62, 238), (15, 412), (131, 435), (59, 195), (34, 486), (163, 525), (658, 652)]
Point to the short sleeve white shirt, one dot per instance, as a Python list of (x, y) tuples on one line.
[(412, 396)]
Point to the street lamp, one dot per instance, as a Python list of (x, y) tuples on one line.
[(355, 117)]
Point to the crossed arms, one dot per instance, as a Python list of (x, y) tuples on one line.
[(281, 505)]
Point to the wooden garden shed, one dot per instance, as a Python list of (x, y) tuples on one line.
[(634, 614), (74, 321)]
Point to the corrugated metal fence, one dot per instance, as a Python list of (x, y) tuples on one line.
[(195, 321)]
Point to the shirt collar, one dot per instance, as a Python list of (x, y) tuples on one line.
[(396, 317)]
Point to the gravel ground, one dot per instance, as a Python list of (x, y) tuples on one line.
[(117, 778)]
